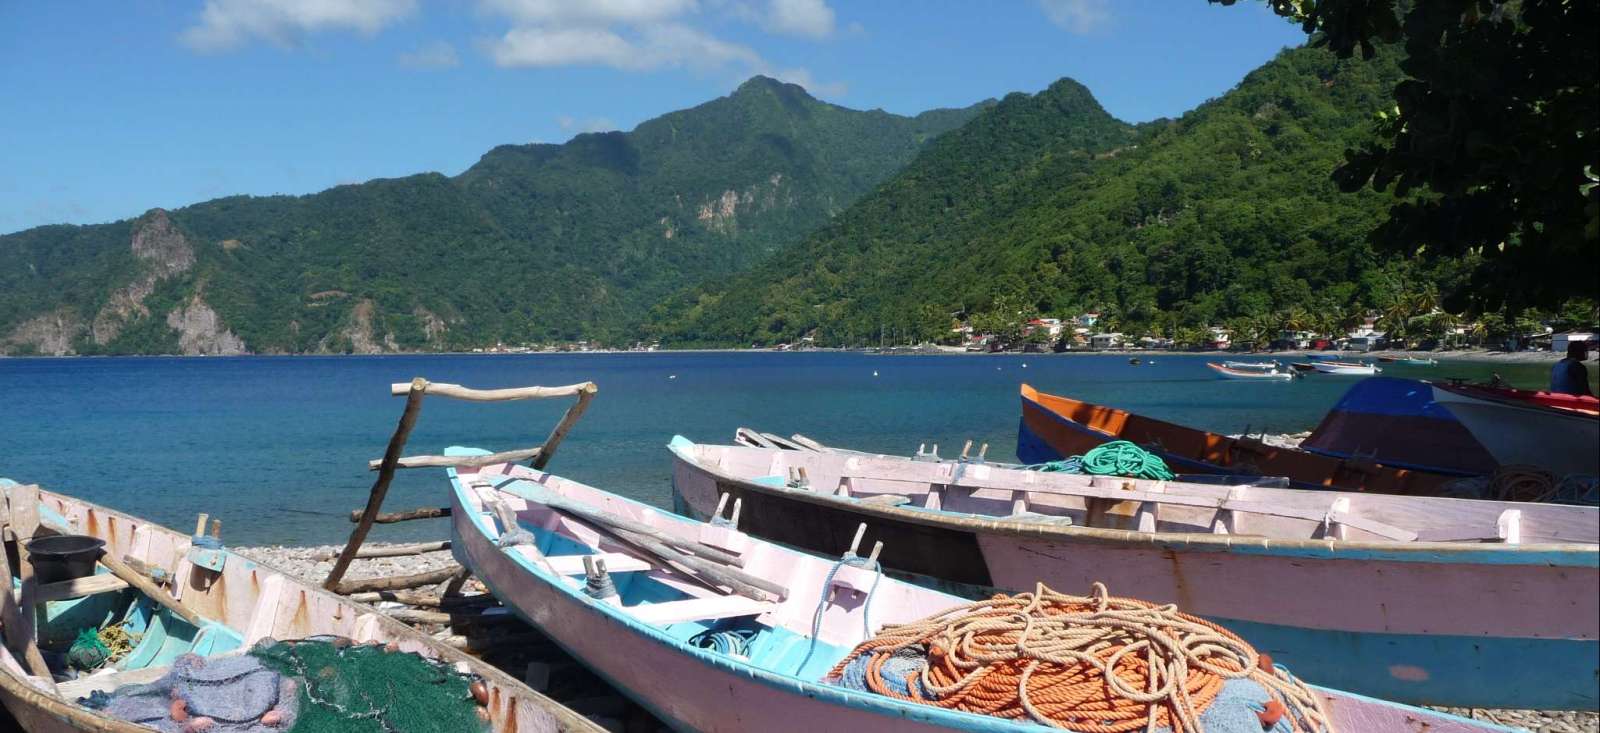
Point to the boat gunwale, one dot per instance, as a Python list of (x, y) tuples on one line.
[(1587, 555), (78, 716)]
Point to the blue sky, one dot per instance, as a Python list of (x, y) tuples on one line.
[(110, 108)]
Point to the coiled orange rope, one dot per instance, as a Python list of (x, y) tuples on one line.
[(1092, 664)]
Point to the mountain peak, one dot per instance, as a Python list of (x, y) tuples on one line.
[(760, 84)]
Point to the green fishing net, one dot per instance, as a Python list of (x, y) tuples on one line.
[(346, 688), (87, 651)]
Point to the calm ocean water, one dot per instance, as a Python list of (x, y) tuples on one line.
[(276, 447)]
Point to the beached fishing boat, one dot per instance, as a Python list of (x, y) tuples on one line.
[(1557, 432), (1397, 422), (1055, 427), (1270, 374), (703, 648), (1345, 368), (187, 596), (1422, 600)]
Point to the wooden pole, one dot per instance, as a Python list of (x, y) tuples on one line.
[(459, 392), (392, 551), (397, 582), (548, 450), (426, 512), (397, 445), (510, 456), (22, 641), (149, 588)]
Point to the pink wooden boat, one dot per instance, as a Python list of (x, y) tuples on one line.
[(639, 639), (243, 603), (1418, 599)]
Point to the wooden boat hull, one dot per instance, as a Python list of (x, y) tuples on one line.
[(258, 601), (1053, 428), (700, 690), (1561, 441), (1424, 623), (1398, 422)]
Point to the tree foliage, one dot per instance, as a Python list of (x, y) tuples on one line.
[(1492, 145)]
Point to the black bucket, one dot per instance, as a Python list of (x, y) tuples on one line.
[(64, 557)]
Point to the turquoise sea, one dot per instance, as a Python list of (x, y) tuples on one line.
[(277, 447)]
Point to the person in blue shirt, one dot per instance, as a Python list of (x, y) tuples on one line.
[(1570, 376)]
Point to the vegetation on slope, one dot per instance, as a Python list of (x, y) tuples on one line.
[(533, 243), (1041, 207)]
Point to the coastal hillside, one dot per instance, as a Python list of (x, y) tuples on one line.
[(533, 243), (1045, 205)]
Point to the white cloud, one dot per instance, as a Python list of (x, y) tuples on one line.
[(589, 124), (432, 55), (227, 24), (588, 12), (1078, 16), (644, 35), (533, 46), (809, 18)]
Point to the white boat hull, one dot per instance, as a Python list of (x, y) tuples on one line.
[(1514, 434)]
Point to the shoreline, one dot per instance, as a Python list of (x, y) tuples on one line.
[(1483, 356)]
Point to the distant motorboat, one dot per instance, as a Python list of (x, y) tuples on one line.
[(1303, 366), (1230, 373), (1419, 362), (1345, 368), (1253, 365)]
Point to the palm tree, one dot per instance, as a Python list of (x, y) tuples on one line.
[(1396, 319), (1444, 325)]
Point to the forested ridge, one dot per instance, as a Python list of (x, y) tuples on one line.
[(534, 243), (1045, 205)]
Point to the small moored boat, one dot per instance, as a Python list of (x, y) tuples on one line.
[(1406, 598), (1270, 373), (710, 652), (1346, 368), (1054, 427), (1260, 366), (207, 610)]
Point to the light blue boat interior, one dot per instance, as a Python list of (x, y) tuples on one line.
[(159, 635), (770, 648), (776, 657)]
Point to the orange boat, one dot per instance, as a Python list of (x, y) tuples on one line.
[(1055, 427)]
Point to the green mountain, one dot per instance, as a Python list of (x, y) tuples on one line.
[(534, 242), (1045, 204)]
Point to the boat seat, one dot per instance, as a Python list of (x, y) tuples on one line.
[(82, 686), (700, 609), (79, 587), (616, 562), (885, 499)]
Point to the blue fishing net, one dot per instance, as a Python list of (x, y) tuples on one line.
[(237, 694)]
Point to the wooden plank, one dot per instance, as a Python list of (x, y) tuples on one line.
[(456, 391), (699, 609), (397, 582), (616, 562), (25, 521), (1354, 520), (79, 587), (149, 588), (380, 487), (416, 548), (510, 456)]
